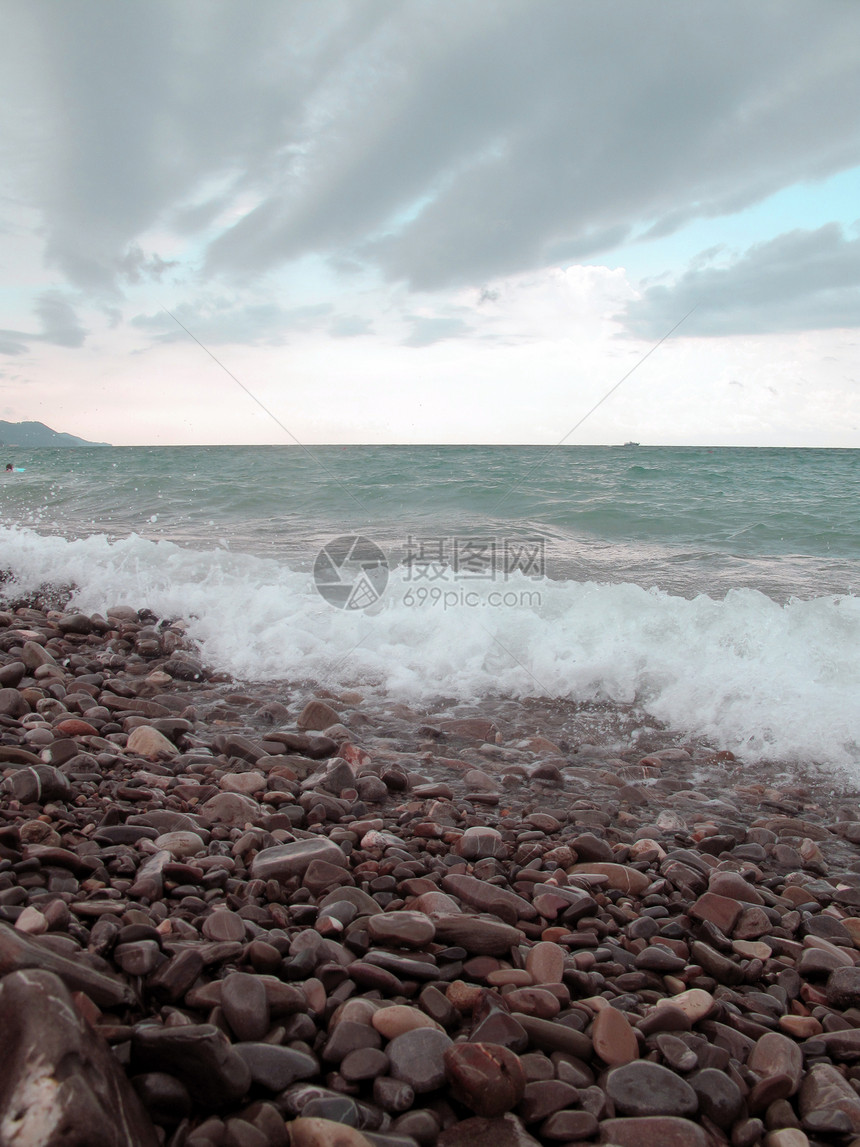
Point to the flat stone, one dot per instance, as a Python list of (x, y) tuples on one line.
[(544, 1097), (364, 1063), (695, 1003), (786, 1137), (282, 861), (643, 1088), (841, 1044), (500, 1028), (347, 1037), (224, 925), (550, 1036), (720, 1097), (275, 1067), (488, 897), (719, 910), (417, 1058), (732, 885), (316, 716), (144, 741), (138, 958), (570, 1126), (180, 844), (230, 809), (613, 1038), (776, 1054), (653, 1131), (481, 843), (477, 934), (247, 784), (620, 876), (677, 1054), (406, 929), (545, 962), (245, 1005), (394, 1021), (533, 1002)]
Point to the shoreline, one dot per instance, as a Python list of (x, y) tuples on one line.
[(286, 912)]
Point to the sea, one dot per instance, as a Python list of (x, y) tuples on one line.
[(713, 592)]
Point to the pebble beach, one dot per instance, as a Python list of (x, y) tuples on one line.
[(233, 916)]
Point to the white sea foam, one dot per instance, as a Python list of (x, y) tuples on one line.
[(768, 680)]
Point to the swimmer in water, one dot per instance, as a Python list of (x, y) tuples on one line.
[(9, 467)]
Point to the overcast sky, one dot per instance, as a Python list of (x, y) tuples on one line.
[(431, 220)]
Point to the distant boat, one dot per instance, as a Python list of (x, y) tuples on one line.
[(620, 446)]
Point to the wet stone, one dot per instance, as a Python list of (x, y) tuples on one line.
[(545, 963), (362, 1064), (643, 1088), (349, 1036), (776, 1054), (544, 1097), (245, 1005), (223, 925), (409, 929), (843, 987), (417, 1058), (274, 1067), (719, 1096), (486, 1077), (198, 1054), (658, 1131), (570, 1126), (506, 1131), (613, 1038), (285, 860), (60, 1085)]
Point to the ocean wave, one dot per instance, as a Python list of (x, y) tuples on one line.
[(769, 680)]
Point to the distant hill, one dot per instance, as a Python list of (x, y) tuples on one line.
[(38, 434)]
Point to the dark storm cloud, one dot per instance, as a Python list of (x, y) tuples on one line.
[(804, 280), (440, 143)]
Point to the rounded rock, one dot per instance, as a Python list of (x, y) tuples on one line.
[(418, 1058), (643, 1088)]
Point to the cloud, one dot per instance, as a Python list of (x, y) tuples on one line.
[(432, 329), (438, 145), (803, 280), (60, 326), (223, 320), (350, 326)]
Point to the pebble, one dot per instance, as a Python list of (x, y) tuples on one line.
[(643, 1088), (418, 1058), (613, 1038), (366, 938)]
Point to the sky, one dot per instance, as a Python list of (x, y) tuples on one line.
[(431, 221)]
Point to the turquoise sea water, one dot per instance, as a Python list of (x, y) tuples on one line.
[(716, 588)]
